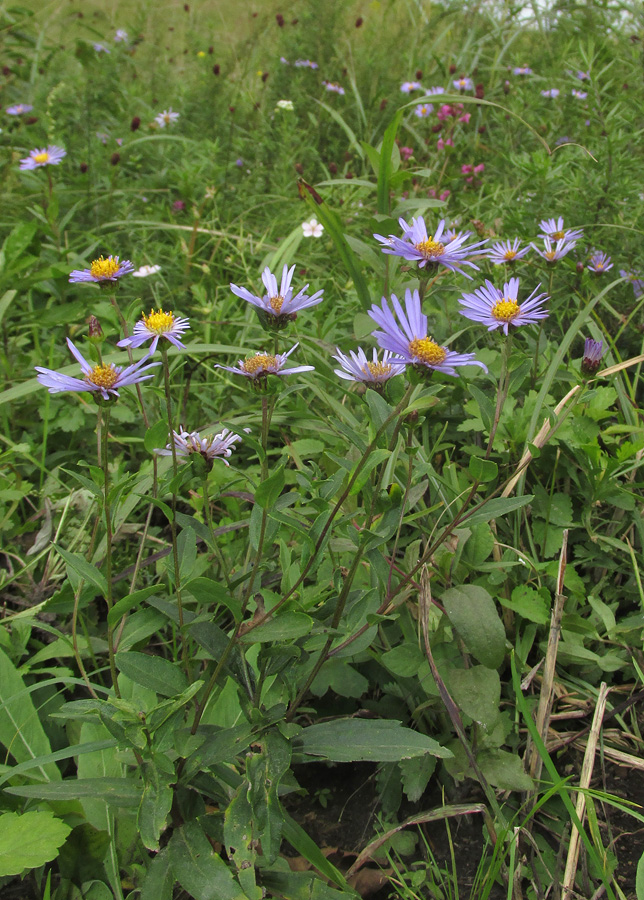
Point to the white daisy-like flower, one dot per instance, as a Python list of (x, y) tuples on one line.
[(167, 117), (312, 228), (145, 271)]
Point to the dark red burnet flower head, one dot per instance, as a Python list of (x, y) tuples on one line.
[(135, 123), (279, 18), (359, 22), (115, 159)]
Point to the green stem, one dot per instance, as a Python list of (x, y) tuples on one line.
[(502, 391), (535, 365), (215, 545), (104, 420), (173, 520), (267, 414)]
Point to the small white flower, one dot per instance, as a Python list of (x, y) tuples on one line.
[(312, 228), (167, 117), (285, 104), (144, 271)]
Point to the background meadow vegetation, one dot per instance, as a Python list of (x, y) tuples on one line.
[(427, 597)]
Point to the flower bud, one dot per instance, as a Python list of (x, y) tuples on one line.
[(452, 69), (95, 332), (83, 167), (359, 22), (135, 123), (593, 352), (580, 267), (115, 159), (216, 69)]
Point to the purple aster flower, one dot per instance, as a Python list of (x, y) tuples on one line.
[(560, 250), (158, 324), (582, 76), (551, 93), (18, 109), (334, 87), (101, 48), (105, 271), (261, 365), (579, 95), (506, 252), (500, 309), (522, 70), (104, 378), (423, 110), (416, 246), (214, 446), (278, 302), (410, 340), (463, 84), (356, 366), (432, 91), (121, 36), (408, 86), (593, 352), (635, 280), (284, 61), (52, 156), (554, 229), (599, 262), (305, 64)]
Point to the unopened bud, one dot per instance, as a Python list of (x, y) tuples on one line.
[(359, 22), (383, 104), (83, 167), (452, 69), (115, 159), (419, 74), (264, 77), (95, 332), (31, 120), (333, 169), (593, 352), (135, 123), (299, 168), (580, 267)]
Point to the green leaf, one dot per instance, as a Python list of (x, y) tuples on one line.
[(485, 405), (153, 672), (156, 437), (115, 791), (286, 626), (187, 552), (354, 740), (639, 879), (155, 805), (504, 770), (265, 770), (301, 886), (198, 869), (129, 602), (528, 603), (78, 564), (494, 509), (268, 491), (240, 839), (385, 168), (159, 879), (477, 691), (20, 729), (306, 847), (416, 773), (472, 611), (482, 469), (29, 840)]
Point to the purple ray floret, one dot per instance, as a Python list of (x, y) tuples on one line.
[(500, 309), (416, 246)]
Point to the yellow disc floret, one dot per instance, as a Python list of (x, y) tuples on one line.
[(506, 310), (276, 304), (430, 249), (159, 321), (558, 235), (427, 351), (255, 365), (104, 268), (41, 157), (377, 369), (103, 376), (509, 255)]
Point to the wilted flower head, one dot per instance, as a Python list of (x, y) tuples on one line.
[(463, 84), (312, 228), (416, 246), (105, 271), (554, 229), (145, 271), (579, 95), (18, 109), (356, 366), (104, 379), (500, 309), (408, 86), (167, 117), (158, 324), (261, 365), (599, 262), (506, 252), (552, 254), (423, 110), (334, 87), (551, 93), (51, 156), (408, 337), (279, 303), (522, 70), (593, 352), (211, 447)]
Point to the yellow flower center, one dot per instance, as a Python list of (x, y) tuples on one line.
[(158, 321), (254, 365), (430, 249), (276, 304), (559, 235), (41, 157), (506, 310), (550, 255), (509, 255), (427, 351), (377, 370), (103, 376), (104, 268)]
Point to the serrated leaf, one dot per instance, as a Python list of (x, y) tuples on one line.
[(29, 840), (528, 603)]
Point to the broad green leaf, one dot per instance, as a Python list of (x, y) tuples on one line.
[(20, 730), (354, 740), (528, 603), (286, 626), (494, 509), (264, 771), (504, 770), (159, 879), (301, 886), (78, 564), (156, 437), (198, 869), (268, 491), (187, 552), (639, 879), (155, 804), (153, 672), (385, 168), (241, 841), (482, 469), (477, 691), (29, 840), (115, 791), (472, 611), (127, 603)]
